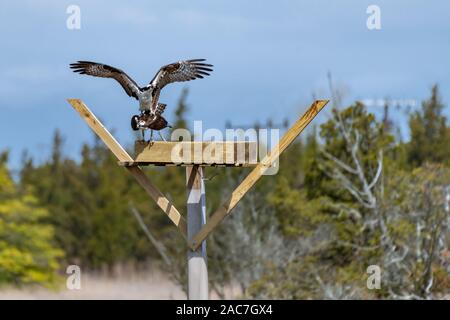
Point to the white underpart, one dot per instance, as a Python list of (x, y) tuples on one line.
[(145, 100)]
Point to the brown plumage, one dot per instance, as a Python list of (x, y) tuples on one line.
[(157, 123), (149, 120), (152, 121), (148, 96), (105, 71)]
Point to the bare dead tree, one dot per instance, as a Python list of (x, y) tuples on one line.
[(400, 259)]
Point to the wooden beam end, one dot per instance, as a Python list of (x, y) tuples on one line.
[(73, 101)]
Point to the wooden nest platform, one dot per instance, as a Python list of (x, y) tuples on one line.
[(213, 153)]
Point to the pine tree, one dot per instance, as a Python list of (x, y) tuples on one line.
[(181, 110), (430, 137)]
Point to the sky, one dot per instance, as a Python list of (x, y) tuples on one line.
[(270, 59)]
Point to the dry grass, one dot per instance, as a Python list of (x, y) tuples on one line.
[(149, 285)]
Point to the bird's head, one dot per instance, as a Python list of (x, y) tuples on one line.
[(135, 122)]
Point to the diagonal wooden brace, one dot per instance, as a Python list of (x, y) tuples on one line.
[(136, 171), (256, 173)]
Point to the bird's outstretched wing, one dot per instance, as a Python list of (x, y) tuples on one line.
[(105, 71), (181, 71)]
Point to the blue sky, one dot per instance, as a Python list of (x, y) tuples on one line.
[(270, 57)]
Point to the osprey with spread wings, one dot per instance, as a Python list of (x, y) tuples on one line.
[(148, 96)]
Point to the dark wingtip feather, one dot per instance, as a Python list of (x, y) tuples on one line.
[(199, 63), (81, 66), (202, 73), (196, 60), (203, 64), (86, 62), (205, 69)]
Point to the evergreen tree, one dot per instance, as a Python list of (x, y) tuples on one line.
[(181, 110), (430, 139)]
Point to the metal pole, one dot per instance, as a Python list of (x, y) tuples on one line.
[(196, 218)]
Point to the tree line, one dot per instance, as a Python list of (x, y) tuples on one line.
[(348, 195)]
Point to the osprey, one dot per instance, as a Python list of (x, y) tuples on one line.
[(148, 96), (150, 121)]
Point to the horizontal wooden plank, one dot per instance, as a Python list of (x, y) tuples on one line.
[(203, 153), (161, 164)]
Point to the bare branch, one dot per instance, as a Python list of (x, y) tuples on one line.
[(158, 245), (379, 170), (339, 162)]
